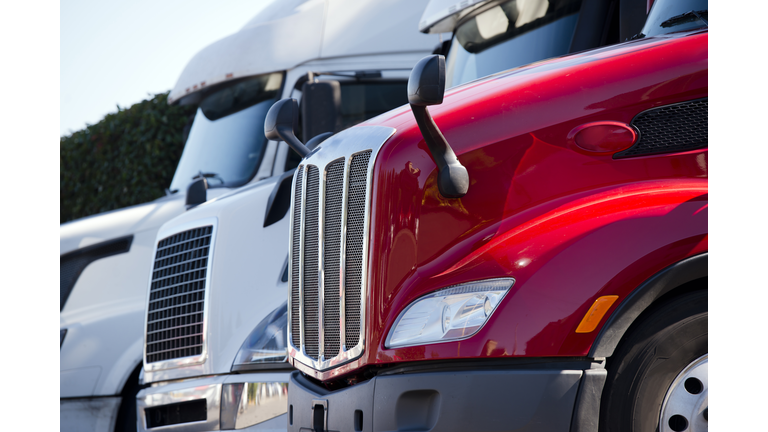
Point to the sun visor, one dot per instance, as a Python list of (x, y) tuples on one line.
[(441, 16), (258, 48)]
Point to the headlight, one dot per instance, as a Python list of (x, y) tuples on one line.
[(267, 342), (449, 314)]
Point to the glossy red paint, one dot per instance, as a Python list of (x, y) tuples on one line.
[(568, 225)]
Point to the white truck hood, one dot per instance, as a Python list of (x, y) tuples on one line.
[(106, 226), (310, 30)]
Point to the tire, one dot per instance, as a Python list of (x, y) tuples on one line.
[(655, 350)]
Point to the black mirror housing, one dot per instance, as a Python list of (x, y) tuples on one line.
[(320, 107), (281, 123), (197, 192), (284, 115), (426, 84)]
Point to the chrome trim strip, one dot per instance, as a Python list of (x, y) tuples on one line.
[(192, 360), (301, 257), (347, 143), (290, 258), (364, 264)]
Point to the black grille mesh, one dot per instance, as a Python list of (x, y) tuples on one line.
[(334, 191), (295, 250), (358, 176), (672, 128), (311, 264), (177, 294)]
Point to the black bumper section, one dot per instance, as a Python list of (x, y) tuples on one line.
[(486, 400)]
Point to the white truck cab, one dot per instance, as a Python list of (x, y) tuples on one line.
[(363, 51), (215, 310)]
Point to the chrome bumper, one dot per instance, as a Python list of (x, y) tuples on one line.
[(256, 401)]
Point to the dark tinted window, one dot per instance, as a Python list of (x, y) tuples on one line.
[(508, 35), (360, 101), (363, 100), (226, 141), (668, 16)]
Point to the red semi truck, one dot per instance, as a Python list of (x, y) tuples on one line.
[(529, 253)]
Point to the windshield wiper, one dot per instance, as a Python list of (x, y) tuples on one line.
[(209, 175), (684, 17)]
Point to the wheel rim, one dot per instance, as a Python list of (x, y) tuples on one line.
[(685, 406)]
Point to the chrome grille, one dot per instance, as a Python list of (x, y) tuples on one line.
[(177, 295), (328, 248), (315, 305)]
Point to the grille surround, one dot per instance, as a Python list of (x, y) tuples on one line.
[(344, 147), (151, 364)]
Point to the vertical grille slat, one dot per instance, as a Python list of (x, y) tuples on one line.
[(311, 261), (177, 296), (295, 256), (358, 179), (331, 257)]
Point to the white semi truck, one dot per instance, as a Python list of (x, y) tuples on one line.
[(352, 59)]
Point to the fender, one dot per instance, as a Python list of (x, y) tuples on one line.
[(626, 313), (595, 243)]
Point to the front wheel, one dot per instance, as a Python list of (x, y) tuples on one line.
[(657, 378)]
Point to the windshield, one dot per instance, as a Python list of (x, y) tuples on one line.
[(669, 16), (227, 139), (508, 35)]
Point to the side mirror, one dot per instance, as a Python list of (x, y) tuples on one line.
[(320, 106), (281, 122), (426, 86), (197, 192)]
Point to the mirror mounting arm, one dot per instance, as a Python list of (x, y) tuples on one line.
[(426, 86), (452, 177)]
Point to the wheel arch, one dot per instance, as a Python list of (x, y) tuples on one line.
[(683, 276)]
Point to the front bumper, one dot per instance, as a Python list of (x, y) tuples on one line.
[(250, 402), (466, 400)]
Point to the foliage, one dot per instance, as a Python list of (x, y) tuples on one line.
[(127, 158)]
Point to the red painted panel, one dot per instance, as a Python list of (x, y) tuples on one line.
[(567, 224)]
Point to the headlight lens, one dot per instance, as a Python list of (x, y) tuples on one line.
[(452, 313), (267, 342)]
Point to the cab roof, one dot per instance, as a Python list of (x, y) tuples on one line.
[(288, 33)]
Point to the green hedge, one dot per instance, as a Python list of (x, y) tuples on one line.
[(127, 158)]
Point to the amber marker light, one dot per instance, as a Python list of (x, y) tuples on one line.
[(595, 313)]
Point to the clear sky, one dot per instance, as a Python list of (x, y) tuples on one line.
[(116, 53)]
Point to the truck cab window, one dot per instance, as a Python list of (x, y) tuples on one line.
[(226, 141), (673, 16), (360, 101), (510, 34)]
